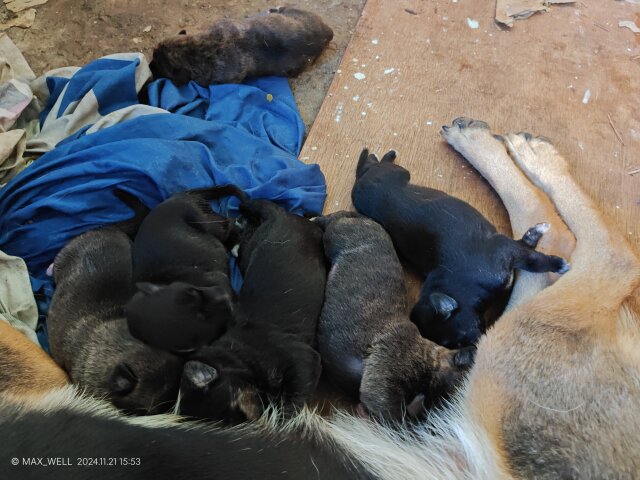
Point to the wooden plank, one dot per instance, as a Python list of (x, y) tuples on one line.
[(424, 65)]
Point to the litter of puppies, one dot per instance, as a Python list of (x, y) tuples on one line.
[(145, 318)]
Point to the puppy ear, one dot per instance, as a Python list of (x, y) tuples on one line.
[(189, 296), (148, 288), (222, 296), (443, 304), (464, 357), (123, 380), (250, 404), (416, 407), (199, 375)]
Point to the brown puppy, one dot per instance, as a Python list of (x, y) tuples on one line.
[(25, 369), (281, 42)]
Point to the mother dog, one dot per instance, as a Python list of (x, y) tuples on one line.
[(554, 392)]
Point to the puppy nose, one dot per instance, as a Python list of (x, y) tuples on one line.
[(199, 374)]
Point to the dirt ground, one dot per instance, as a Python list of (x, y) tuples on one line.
[(74, 32)]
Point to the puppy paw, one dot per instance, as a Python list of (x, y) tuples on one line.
[(534, 234)]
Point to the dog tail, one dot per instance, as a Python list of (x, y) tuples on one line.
[(140, 210), (214, 193)]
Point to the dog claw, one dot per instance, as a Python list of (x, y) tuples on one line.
[(464, 122)]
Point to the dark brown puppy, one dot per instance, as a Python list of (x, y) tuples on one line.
[(180, 268), (281, 42), (88, 333), (367, 343), (267, 354)]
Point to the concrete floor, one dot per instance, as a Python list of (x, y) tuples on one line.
[(74, 32)]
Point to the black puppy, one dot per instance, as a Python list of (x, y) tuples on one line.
[(267, 355), (88, 333), (282, 42), (469, 267), (367, 343), (181, 267)]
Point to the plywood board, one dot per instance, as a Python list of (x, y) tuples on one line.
[(570, 74)]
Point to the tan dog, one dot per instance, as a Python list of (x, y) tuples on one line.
[(25, 369), (554, 393)]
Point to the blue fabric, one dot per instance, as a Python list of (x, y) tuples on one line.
[(248, 134)]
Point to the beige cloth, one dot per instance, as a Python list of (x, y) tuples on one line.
[(17, 305), (19, 109)]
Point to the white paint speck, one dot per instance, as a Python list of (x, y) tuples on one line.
[(363, 113), (354, 60), (377, 57), (356, 98), (346, 87), (370, 104), (472, 23), (586, 96), (359, 76), (429, 122), (581, 146), (338, 71), (387, 71), (395, 134), (374, 41), (339, 109), (314, 148)]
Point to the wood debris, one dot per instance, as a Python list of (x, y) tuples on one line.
[(615, 130), (23, 19), (630, 25), (16, 6), (509, 10)]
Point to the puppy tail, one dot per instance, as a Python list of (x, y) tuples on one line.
[(214, 193), (140, 210)]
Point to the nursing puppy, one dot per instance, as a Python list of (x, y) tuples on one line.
[(88, 333), (365, 338), (267, 354), (469, 267), (281, 42), (180, 268)]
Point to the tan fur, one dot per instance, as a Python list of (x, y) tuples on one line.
[(25, 369), (557, 380)]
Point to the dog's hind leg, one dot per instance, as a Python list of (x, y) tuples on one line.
[(526, 205), (603, 263)]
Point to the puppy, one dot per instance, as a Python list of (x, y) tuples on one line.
[(268, 354), (180, 268), (88, 333), (469, 267), (282, 42), (365, 338)]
